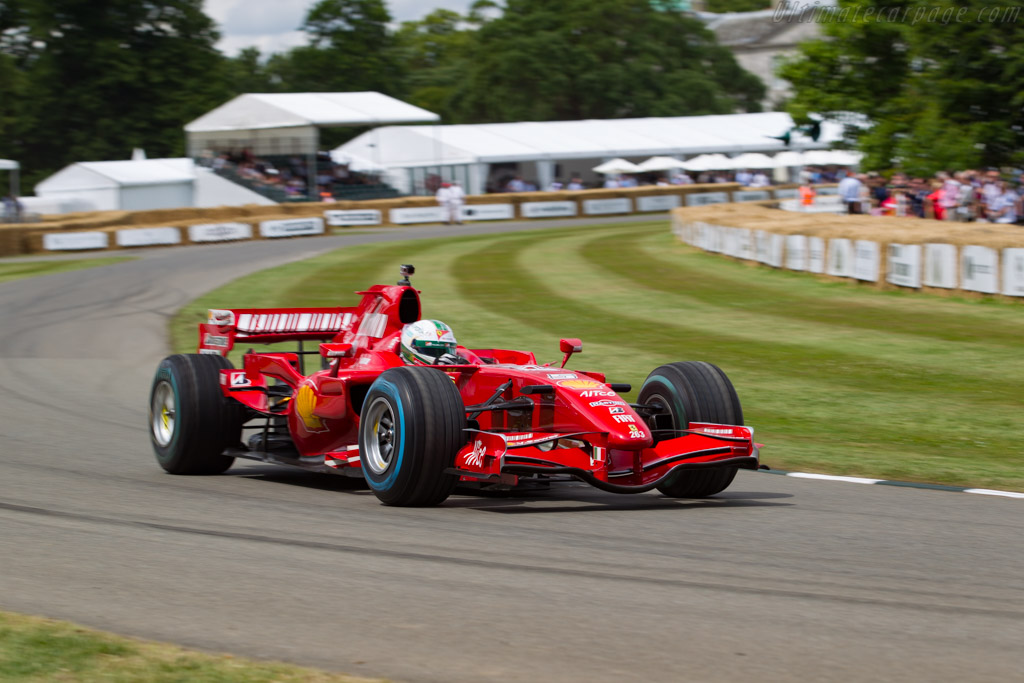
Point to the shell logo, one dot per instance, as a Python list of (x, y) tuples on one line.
[(305, 402), (581, 384)]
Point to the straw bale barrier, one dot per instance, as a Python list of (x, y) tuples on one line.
[(972, 259)]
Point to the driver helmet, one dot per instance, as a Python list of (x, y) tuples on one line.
[(425, 341)]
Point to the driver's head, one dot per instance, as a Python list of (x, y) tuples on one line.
[(425, 341)]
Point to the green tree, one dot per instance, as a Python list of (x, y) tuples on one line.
[(938, 81), (102, 78), (599, 59), (351, 48), (436, 53), (247, 72), (737, 5)]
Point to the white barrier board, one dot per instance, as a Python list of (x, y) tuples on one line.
[(421, 214), (75, 241), (601, 207), (785, 193), (148, 237), (702, 198), (488, 212), (292, 227), (866, 254), (978, 266), (1013, 272), (219, 232), (816, 254), (826, 190), (769, 248), (903, 267), (342, 218), (663, 202), (940, 266), (796, 252), (750, 195), (730, 243), (745, 246), (716, 239), (548, 209), (840, 257)]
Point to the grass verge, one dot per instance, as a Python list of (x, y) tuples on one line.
[(836, 377), (12, 270), (34, 650)]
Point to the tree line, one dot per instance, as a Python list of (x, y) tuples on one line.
[(82, 80)]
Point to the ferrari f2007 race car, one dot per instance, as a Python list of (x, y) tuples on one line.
[(490, 418)]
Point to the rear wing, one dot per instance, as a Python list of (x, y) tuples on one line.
[(271, 326)]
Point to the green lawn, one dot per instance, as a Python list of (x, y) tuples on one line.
[(16, 270), (34, 650), (835, 377)]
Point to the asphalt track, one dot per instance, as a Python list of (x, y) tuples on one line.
[(776, 579)]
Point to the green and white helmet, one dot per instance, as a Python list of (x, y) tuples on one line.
[(425, 341)]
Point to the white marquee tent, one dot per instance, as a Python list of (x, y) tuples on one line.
[(139, 186), (465, 152)]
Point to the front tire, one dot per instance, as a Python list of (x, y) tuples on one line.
[(411, 426), (692, 391), (190, 420)]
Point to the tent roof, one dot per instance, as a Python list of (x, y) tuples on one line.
[(8, 165), (109, 174), (256, 111), (409, 146)]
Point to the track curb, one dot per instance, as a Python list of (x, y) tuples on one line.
[(903, 484)]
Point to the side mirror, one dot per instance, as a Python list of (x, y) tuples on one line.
[(569, 347)]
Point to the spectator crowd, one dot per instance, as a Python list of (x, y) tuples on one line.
[(965, 196)]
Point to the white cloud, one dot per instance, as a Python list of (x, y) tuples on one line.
[(271, 25)]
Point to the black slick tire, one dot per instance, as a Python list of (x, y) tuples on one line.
[(411, 427), (692, 391), (190, 420)]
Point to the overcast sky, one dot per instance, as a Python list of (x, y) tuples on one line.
[(271, 25)]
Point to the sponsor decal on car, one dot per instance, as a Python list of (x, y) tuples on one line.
[(513, 438), (635, 432), (562, 375), (238, 379), (616, 410), (476, 458), (305, 402), (595, 394), (215, 340), (623, 418), (605, 402), (581, 384)]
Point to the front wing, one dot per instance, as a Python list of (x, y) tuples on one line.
[(502, 457)]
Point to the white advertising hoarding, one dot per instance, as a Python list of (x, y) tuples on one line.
[(816, 254), (745, 244), (293, 227), (769, 248), (219, 232), (344, 218), (702, 198), (488, 212), (1013, 272), (940, 267), (421, 214), (796, 252), (148, 237), (75, 241), (866, 255), (785, 193), (750, 195), (662, 202), (903, 266), (602, 207), (978, 266), (840, 257), (548, 209)]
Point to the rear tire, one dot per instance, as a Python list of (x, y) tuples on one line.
[(411, 426), (190, 420), (692, 391)]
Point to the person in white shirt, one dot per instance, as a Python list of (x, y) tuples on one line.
[(1003, 209), (849, 190), (576, 184), (450, 198), (744, 177), (611, 183), (681, 179), (760, 180)]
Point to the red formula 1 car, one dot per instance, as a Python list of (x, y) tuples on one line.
[(483, 417)]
